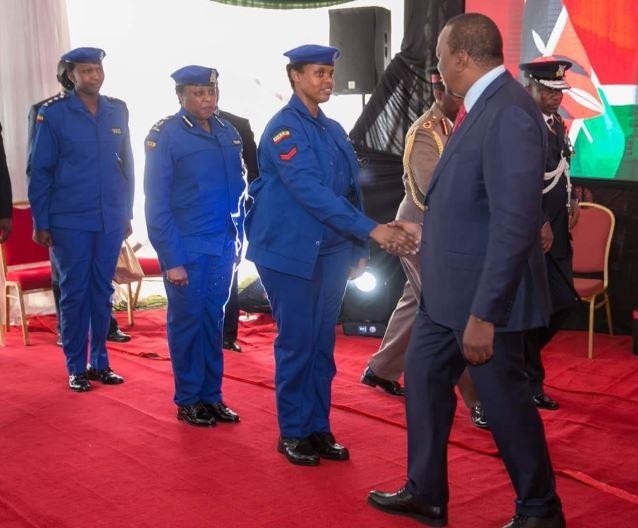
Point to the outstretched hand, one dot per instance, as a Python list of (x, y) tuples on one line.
[(395, 239), (398, 237)]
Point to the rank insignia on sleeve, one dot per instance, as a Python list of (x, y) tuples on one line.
[(39, 118), (288, 155), (280, 136), (151, 144), (116, 130)]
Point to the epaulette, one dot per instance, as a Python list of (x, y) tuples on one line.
[(55, 99), (115, 100), (188, 122), (429, 122), (157, 126)]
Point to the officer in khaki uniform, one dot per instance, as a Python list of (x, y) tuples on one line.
[(424, 144)]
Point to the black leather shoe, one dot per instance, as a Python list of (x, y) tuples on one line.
[(106, 376), (556, 520), (404, 503), (231, 345), (543, 401), (118, 336), (391, 387), (79, 383), (298, 451), (326, 447), (478, 416), (221, 413), (196, 415)]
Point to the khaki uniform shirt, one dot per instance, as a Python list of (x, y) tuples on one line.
[(424, 144)]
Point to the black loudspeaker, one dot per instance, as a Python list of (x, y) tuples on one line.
[(363, 36)]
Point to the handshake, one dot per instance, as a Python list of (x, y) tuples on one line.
[(399, 237)]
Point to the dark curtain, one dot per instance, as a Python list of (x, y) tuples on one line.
[(398, 100), (282, 4)]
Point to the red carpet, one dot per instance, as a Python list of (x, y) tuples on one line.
[(117, 456)]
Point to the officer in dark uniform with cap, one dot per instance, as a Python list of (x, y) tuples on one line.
[(545, 81), (80, 187), (195, 189), (307, 234), (66, 85)]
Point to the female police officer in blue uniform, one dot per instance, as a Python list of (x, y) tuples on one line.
[(195, 190), (81, 193), (307, 234)]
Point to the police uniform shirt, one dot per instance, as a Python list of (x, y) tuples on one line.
[(555, 200), (339, 180), (81, 165), (306, 193), (194, 187)]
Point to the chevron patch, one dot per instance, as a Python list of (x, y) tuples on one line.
[(289, 155)]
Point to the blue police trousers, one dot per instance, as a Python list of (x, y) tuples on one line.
[(86, 263), (306, 311), (195, 319)]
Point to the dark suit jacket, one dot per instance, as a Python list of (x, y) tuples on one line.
[(6, 198), (249, 148), (481, 252)]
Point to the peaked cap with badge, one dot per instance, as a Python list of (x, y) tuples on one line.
[(547, 73)]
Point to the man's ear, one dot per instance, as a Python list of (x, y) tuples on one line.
[(461, 60)]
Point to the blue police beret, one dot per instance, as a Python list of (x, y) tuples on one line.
[(86, 55), (314, 54), (195, 75)]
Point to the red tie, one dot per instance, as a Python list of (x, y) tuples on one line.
[(459, 118)]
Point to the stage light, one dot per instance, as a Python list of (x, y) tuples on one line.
[(370, 299), (366, 282)]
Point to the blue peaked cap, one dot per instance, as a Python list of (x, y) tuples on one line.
[(314, 54), (85, 55), (195, 75)]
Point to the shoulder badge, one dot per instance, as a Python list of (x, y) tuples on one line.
[(280, 136), (157, 126)]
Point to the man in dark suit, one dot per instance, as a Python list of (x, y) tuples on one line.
[(6, 198), (249, 155), (484, 283)]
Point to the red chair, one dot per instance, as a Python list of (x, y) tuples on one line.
[(591, 240), (25, 266)]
